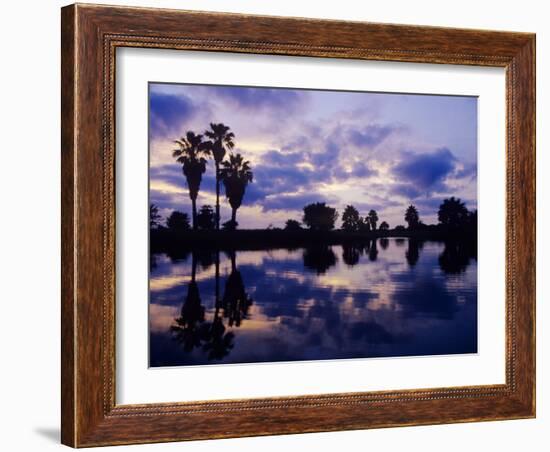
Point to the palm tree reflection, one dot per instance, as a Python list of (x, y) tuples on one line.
[(188, 329), (235, 300), (373, 251), (413, 251), (456, 256), (193, 331)]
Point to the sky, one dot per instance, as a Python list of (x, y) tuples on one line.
[(379, 151)]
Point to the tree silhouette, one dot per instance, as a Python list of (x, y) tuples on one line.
[(320, 217), (154, 216), (206, 218), (293, 225), (178, 221), (221, 141), (411, 217), (373, 219), (236, 174), (191, 154), (384, 226), (452, 213), (350, 219)]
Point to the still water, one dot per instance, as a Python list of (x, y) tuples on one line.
[(389, 297)]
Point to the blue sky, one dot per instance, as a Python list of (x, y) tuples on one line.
[(373, 150)]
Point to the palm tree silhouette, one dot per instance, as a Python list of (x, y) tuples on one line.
[(222, 141), (190, 155), (235, 174), (452, 213)]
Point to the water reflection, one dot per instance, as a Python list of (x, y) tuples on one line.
[(286, 305)]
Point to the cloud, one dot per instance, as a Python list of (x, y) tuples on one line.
[(468, 171), (371, 135), (408, 191), (251, 98), (292, 201), (168, 112), (427, 171)]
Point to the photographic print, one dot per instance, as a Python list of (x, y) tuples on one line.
[(295, 224)]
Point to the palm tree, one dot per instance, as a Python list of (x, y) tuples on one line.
[(235, 174), (452, 213), (190, 155), (222, 141)]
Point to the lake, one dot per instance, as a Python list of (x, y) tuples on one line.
[(387, 297)]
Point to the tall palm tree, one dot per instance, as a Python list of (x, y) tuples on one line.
[(236, 174), (221, 141), (190, 154)]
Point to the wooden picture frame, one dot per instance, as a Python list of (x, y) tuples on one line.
[(90, 36)]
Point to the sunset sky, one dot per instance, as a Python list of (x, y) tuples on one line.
[(372, 150)]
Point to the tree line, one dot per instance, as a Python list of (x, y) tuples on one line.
[(452, 215)]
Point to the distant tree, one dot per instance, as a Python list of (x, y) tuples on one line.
[(191, 154), (293, 225), (236, 174), (206, 218), (178, 221), (399, 228), (384, 226), (452, 213), (221, 140), (411, 217), (154, 216), (373, 219), (320, 217), (364, 225), (230, 225), (350, 219)]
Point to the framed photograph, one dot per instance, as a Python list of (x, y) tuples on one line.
[(281, 225)]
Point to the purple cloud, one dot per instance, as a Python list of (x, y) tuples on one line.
[(371, 135), (167, 113), (426, 171)]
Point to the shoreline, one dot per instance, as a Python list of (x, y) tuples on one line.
[(164, 239)]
